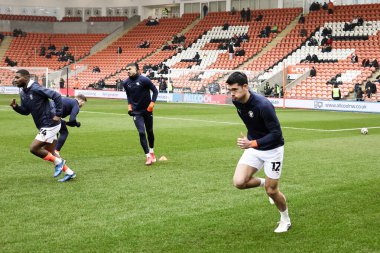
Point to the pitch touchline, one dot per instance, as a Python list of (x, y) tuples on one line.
[(233, 123)]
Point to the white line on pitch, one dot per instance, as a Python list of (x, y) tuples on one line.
[(237, 123), (230, 123)]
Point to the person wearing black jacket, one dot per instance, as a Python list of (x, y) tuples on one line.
[(71, 107), (140, 107), (35, 100)]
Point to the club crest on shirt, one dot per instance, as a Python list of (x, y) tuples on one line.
[(31, 96), (250, 113), (137, 83)]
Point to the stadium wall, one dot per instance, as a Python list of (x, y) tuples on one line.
[(57, 27)]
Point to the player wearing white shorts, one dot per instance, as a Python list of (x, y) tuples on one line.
[(35, 100), (263, 146)]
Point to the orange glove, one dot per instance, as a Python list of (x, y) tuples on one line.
[(150, 107), (254, 144)]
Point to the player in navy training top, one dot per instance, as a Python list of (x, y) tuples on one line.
[(35, 100), (140, 106), (71, 107), (263, 145)]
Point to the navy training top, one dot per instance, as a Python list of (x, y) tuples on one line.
[(138, 92), (259, 116), (35, 101)]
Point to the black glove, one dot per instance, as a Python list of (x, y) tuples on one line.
[(131, 113), (78, 124)]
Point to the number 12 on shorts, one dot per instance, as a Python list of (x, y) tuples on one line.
[(276, 166)]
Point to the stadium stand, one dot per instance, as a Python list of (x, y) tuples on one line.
[(107, 19), (26, 50), (344, 44), (111, 63), (71, 19), (31, 18)]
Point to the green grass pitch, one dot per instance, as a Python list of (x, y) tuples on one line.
[(188, 204)]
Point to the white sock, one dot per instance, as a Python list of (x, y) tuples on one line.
[(151, 150), (147, 155), (57, 160), (285, 215), (262, 182), (69, 171)]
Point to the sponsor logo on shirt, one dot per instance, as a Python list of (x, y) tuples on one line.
[(250, 113)]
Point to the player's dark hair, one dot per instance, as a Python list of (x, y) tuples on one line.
[(82, 97), (23, 72), (237, 77), (133, 64)]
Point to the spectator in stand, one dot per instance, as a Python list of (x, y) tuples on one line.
[(180, 48), (101, 84), (162, 84), (313, 72), (166, 47), (222, 46), (274, 29), (314, 58), (96, 69), (197, 56), (118, 85), (359, 95), (243, 15), (360, 21), (365, 63), (119, 50), (248, 15), (307, 59), (356, 89), (76, 83), (303, 32), (225, 26), (374, 63), (259, 17), (330, 7), (354, 58), (2, 36), (335, 93), (233, 11), (315, 6), (151, 21), (301, 20), (231, 50), (205, 10), (61, 83), (51, 47), (42, 51), (240, 52)]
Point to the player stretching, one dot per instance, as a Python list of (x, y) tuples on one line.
[(264, 146), (71, 106), (35, 101), (140, 106)]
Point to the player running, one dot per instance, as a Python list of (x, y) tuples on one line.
[(140, 106), (71, 106), (264, 145), (35, 101)]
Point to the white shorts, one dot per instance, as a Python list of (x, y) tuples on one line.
[(271, 159), (48, 134)]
